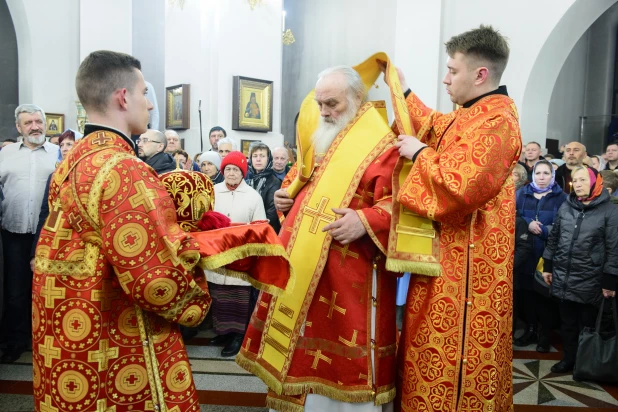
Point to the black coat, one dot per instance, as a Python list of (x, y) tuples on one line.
[(267, 191), (525, 263), (563, 178), (582, 248), (162, 163)]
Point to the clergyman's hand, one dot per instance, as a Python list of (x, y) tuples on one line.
[(402, 78), (283, 203), (408, 146), (346, 229)]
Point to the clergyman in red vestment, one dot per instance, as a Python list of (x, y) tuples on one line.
[(455, 352)]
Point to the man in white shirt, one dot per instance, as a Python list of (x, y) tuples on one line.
[(24, 169)]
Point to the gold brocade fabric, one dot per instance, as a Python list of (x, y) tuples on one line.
[(455, 352), (114, 275), (193, 194)]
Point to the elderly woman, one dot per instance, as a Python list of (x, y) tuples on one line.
[(210, 163), (581, 257), (264, 181), (538, 204), (231, 297)]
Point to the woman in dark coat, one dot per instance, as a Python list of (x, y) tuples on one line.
[(263, 180), (581, 252), (538, 204)]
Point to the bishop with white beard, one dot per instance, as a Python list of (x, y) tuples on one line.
[(329, 342)]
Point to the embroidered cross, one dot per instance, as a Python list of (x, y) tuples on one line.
[(49, 351), (345, 252), (47, 405), (333, 305), (102, 406), (105, 295), (350, 343), (101, 139), (50, 292), (318, 215), (143, 196), (318, 357), (61, 234), (103, 355), (75, 221)]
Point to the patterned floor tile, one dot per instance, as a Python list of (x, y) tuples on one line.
[(535, 384)]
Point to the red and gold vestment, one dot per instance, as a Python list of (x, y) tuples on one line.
[(455, 352)]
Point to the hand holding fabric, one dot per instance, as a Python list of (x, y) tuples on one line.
[(283, 203), (402, 78), (409, 146), (347, 229)]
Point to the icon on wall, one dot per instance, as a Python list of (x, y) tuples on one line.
[(177, 107), (253, 105)]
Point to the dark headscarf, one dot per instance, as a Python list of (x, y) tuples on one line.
[(258, 179)]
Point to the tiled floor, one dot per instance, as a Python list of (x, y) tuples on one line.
[(218, 381)]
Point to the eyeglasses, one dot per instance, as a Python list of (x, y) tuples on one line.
[(146, 140)]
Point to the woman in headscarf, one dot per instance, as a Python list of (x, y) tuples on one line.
[(210, 163), (537, 203), (264, 181), (581, 258)]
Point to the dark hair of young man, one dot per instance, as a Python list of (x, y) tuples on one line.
[(102, 73), (218, 129)]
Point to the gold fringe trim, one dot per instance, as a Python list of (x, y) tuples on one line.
[(241, 252), (257, 370), (417, 268), (282, 405), (270, 289), (328, 391), (215, 263), (385, 397)]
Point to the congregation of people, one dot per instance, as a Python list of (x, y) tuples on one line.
[(566, 255)]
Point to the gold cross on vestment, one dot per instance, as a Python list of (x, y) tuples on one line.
[(105, 295), (50, 292), (103, 355), (333, 305), (344, 253), (101, 139), (143, 196), (317, 358), (61, 234), (47, 405), (318, 215), (350, 343), (75, 221), (102, 406), (49, 351)]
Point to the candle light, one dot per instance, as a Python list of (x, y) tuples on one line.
[(570, 187)]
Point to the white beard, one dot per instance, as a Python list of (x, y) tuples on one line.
[(36, 140), (327, 131)]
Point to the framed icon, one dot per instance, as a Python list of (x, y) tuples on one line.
[(253, 105), (54, 123), (177, 107)]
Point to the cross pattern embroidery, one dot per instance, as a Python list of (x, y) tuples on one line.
[(105, 295), (318, 215), (317, 358), (333, 305), (53, 219), (345, 252), (143, 196), (101, 139), (103, 355)]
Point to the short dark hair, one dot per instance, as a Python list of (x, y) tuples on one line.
[(610, 180), (217, 129), (10, 139), (615, 143), (535, 144), (101, 74), (484, 44)]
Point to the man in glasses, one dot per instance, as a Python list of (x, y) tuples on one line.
[(151, 149)]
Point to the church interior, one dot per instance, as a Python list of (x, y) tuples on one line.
[(562, 75)]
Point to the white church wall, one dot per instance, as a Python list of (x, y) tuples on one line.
[(567, 100), (209, 42), (48, 42)]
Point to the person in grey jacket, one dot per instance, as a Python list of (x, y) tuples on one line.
[(581, 252)]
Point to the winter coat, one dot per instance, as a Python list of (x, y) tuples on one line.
[(161, 162), (544, 210), (267, 192), (582, 248), (525, 263), (242, 205)]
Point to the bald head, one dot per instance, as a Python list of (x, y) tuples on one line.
[(150, 143), (574, 154), (173, 141), (280, 159)]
